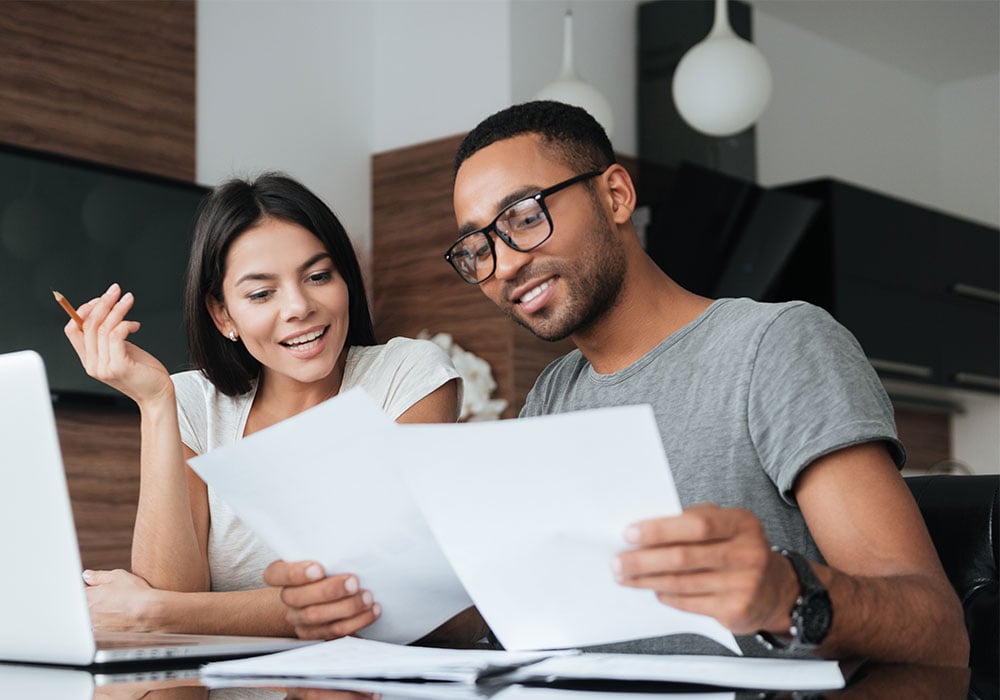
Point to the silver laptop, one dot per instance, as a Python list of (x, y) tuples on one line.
[(43, 606)]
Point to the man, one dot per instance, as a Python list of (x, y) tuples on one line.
[(777, 430)]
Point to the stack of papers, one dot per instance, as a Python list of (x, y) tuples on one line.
[(351, 658)]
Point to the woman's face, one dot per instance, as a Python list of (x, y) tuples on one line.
[(285, 300)]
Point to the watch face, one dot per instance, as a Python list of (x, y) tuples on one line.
[(816, 617)]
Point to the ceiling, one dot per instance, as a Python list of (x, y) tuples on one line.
[(937, 40)]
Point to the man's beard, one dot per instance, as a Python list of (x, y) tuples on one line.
[(597, 287)]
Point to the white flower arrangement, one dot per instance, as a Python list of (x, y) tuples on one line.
[(477, 379)]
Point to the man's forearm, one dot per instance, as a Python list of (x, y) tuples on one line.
[(906, 618)]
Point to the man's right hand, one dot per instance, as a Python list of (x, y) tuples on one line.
[(321, 606)]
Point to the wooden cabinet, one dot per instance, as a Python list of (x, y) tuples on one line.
[(919, 288)]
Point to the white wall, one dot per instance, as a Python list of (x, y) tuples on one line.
[(835, 112), (289, 86), (970, 147), (440, 67)]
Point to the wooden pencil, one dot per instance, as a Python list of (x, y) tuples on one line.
[(63, 302)]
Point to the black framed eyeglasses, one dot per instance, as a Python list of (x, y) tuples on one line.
[(523, 226)]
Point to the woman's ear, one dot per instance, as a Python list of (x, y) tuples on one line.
[(217, 310), (622, 193)]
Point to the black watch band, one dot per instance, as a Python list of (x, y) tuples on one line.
[(812, 614)]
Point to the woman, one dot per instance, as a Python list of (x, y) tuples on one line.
[(277, 322)]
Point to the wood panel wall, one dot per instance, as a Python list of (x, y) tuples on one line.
[(100, 446), (112, 81)]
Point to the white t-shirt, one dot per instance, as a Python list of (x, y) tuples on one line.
[(396, 375)]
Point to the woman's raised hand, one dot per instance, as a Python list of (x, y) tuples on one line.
[(109, 357)]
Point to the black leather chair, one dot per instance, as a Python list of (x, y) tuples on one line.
[(961, 515)]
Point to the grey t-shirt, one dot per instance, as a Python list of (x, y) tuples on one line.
[(746, 396)]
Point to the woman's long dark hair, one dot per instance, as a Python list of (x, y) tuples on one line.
[(231, 209)]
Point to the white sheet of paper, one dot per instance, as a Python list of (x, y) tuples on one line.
[(520, 692), (531, 511), (325, 485), (724, 671), (349, 657)]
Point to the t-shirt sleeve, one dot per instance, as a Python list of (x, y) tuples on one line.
[(812, 392), (191, 410), (406, 371)]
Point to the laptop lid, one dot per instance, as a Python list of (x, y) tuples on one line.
[(43, 604)]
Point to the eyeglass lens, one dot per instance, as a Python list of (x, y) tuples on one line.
[(522, 226)]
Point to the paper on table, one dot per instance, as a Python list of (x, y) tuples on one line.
[(530, 512), (325, 485), (349, 657), (520, 692), (352, 687), (722, 671)]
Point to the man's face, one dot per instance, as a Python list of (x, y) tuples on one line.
[(571, 280)]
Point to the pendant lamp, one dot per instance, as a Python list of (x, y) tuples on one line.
[(568, 87), (722, 84)]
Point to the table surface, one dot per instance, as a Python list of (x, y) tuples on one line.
[(869, 682)]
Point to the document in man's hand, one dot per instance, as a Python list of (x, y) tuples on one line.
[(531, 512)]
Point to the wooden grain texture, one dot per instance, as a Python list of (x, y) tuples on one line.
[(111, 81), (926, 435), (100, 447)]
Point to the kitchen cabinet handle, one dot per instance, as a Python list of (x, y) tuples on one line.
[(978, 380), (920, 371), (973, 292)]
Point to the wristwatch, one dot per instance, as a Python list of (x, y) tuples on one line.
[(812, 614)]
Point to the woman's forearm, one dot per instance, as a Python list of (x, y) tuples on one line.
[(257, 612), (166, 549)]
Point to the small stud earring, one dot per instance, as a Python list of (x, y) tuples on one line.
[(232, 336)]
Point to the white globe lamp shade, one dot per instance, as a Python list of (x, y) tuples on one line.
[(569, 89), (576, 92), (723, 84)]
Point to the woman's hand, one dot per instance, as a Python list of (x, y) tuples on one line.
[(107, 355), (121, 602), (321, 606)]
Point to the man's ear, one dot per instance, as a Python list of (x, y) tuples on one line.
[(622, 193), (217, 310)]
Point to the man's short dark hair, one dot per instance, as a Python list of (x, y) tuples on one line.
[(575, 136)]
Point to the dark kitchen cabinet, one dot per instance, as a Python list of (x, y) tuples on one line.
[(919, 288)]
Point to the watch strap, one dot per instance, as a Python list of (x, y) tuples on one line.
[(809, 585)]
